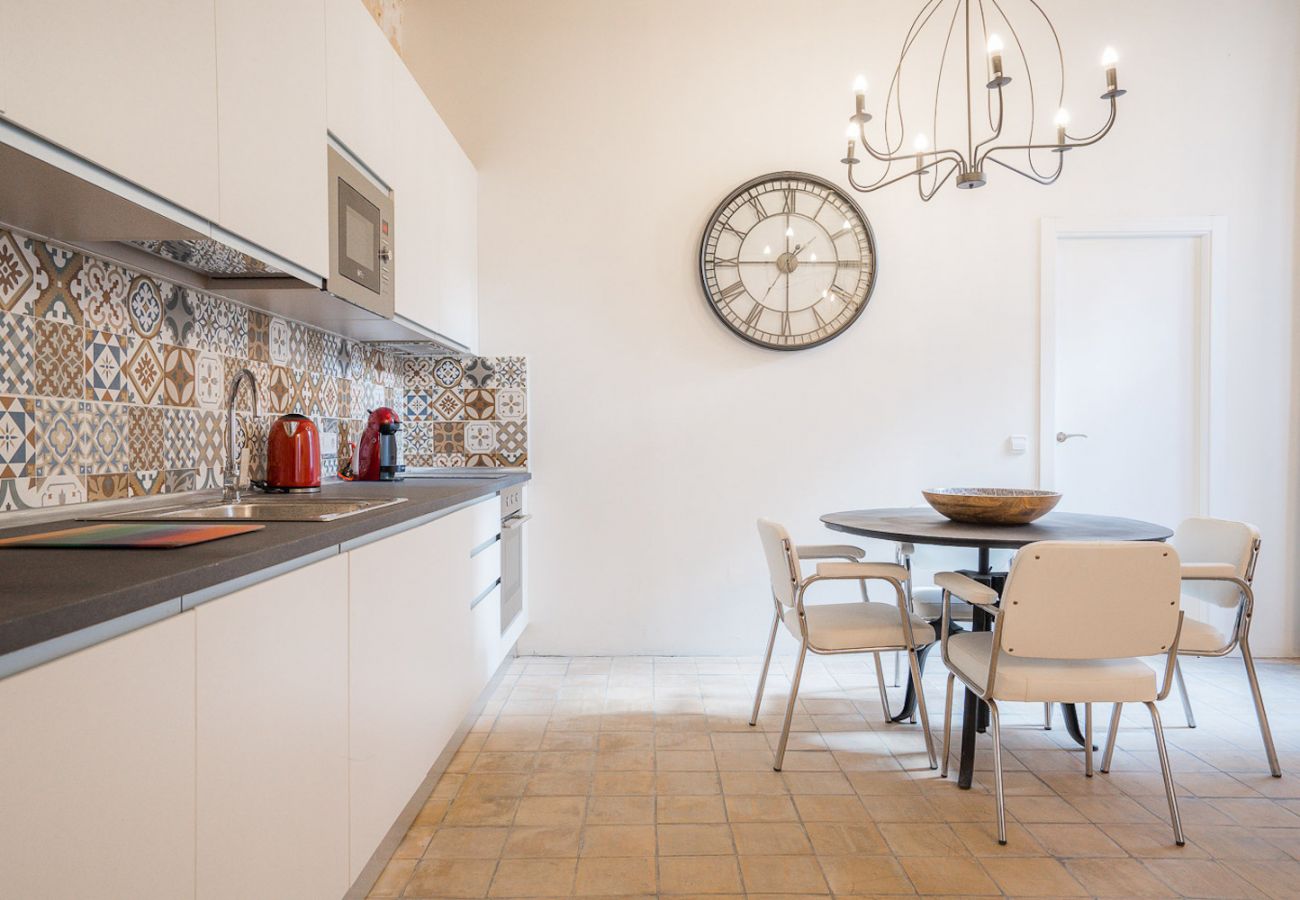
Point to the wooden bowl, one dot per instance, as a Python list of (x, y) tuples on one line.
[(991, 506)]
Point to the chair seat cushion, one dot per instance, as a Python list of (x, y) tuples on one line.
[(847, 626), (1044, 680), (1200, 636)]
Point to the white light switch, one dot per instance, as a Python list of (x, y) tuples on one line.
[(1018, 443)]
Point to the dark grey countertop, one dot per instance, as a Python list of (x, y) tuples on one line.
[(48, 593)]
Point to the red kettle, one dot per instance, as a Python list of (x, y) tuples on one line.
[(377, 449), (293, 455)]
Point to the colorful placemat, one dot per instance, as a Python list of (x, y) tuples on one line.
[(136, 535)]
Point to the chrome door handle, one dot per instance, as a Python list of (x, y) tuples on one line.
[(1062, 437), (515, 521)]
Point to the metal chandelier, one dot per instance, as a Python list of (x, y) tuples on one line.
[(973, 36)]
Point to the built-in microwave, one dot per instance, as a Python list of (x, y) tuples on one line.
[(361, 238)]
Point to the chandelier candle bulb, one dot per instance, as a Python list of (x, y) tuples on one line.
[(1110, 62), (995, 61), (860, 95), (1062, 119)]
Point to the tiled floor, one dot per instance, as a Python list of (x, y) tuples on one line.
[(640, 776)]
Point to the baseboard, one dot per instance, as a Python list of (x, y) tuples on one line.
[(379, 859)]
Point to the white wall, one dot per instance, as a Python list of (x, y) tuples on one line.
[(605, 133)]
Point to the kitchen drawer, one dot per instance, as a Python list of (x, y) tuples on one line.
[(486, 517), (485, 568)]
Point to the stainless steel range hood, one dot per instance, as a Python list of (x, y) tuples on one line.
[(56, 195)]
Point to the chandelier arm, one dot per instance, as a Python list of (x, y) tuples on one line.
[(943, 60), (890, 157), (997, 131), (1041, 179), (1029, 77), (875, 186), (1071, 143), (926, 195), (1099, 133), (988, 69), (894, 96)]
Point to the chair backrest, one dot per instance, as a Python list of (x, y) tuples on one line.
[(782, 560), (1217, 541), (1091, 600)]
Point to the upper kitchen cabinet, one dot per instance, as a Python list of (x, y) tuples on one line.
[(129, 86), (434, 208), (271, 126), (359, 81)]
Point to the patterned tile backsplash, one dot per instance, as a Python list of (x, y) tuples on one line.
[(112, 385)]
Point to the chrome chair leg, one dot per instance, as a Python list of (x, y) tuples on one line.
[(1169, 778), (1112, 735), (1047, 717), (997, 771), (914, 664), (1087, 740), (898, 659), (1182, 692), (1264, 730), (789, 709), (767, 661), (880, 682), (947, 726)]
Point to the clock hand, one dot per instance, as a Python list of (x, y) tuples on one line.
[(770, 286)]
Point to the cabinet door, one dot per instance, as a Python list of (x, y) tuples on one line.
[(271, 126), (97, 781), (415, 205), (273, 738), (457, 240), (130, 86), (409, 659), (359, 83)]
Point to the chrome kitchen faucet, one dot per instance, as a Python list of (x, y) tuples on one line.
[(230, 477)]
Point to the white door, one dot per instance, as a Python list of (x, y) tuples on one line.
[(1125, 371)]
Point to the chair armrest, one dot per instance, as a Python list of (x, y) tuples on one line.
[(967, 589), (829, 551), (860, 570), (1209, 572)]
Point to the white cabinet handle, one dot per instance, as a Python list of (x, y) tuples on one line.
[(1062, 437)]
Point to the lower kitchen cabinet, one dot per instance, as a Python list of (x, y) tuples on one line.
[(273, 737), (410, 677), (97, 774)]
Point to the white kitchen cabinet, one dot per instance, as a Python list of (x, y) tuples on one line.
[(97, 780), (416, 290), (359, 84), (273, 737), (457, 240), (271, 126), (410, 665), (130, 86)]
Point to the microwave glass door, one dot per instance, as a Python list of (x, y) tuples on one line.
[(358, 237)]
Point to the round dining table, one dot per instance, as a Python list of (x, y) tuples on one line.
[(922, 525)]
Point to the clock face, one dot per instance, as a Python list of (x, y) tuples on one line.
[(788, 261)]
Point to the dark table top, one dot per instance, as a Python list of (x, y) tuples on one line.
[(921, 525)]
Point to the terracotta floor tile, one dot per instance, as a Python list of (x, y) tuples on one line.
[(482, 811), (416, 841), (1201, 878), (981, 839), (618, 840), (687, 783), (760, 809), (694, 840), (770, 838), (621, 811), (922, 839), (1152, 842), (1032, 877), (782, 875), (816, 782), (1064, 841), (551, 811), (948, 875), (685, 761), (451, 878), (841, 838), (393, 878), (1274, 878), (623, 783), (753, 783), (830, 808), (533, 878), (542, 841), (689, 809), (699, 875), (874, 875), (452, 842), (1117, 878), (554, 784), (614, 877)]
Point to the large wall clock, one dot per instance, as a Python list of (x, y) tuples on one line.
[(788, 261)]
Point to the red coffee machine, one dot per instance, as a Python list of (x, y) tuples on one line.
[(293, 455), (377, 449)]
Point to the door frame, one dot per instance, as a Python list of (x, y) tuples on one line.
[(1212, 231)]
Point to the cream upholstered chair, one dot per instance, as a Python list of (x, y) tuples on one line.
[(1074, 618), (833, 628), (1218, 558)]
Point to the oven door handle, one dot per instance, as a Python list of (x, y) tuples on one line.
[(515, 521)]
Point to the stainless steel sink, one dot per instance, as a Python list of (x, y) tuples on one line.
[(261, 509)]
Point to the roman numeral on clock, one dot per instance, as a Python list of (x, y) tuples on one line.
[(751, 317), (732, 291)]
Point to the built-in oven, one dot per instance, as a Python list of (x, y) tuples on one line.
[(361, 237), (513, 518)]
